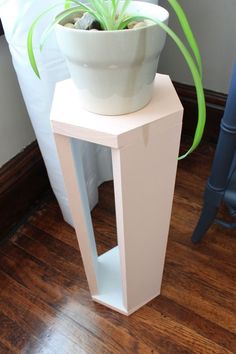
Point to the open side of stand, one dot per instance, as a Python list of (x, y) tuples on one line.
[(109, 281)]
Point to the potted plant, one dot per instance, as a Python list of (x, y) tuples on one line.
[(112, 61), (112, 67), (17, 17)]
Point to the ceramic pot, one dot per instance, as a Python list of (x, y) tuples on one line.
[(114, 70)]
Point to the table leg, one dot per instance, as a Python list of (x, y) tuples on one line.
[(76, 189), (144, 179)]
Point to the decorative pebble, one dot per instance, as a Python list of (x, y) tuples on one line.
[(87, 22), (78, 16), (149, 22), (69, 25), (139, 25), (132, 24)]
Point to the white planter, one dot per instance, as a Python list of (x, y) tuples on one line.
[(38, 96), (114, 70)]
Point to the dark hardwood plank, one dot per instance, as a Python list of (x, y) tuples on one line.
[(14, 337), (42, 246), (23, 180), (48, 282), (52, 223), (58, 333), (75, 320), (44, 294), (195, 322), (4, 349), (197, 296), (204, 269)]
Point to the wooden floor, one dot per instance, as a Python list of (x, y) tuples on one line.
[(45, 305)]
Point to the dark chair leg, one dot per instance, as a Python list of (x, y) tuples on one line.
[(222, 163), (212, 201), (207, 217)]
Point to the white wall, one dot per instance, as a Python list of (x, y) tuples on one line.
[(214, 23), (15, 128)]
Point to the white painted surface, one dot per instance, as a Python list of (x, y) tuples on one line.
[(214, 24), (15, 127), (144, 177), (145, 147), (110, 282), (113, 131)]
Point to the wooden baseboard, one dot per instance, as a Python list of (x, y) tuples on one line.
[(23, 180), (1, 28), (215, 103)]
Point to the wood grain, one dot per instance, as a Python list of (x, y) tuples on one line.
[(45, 305), (23, 180)]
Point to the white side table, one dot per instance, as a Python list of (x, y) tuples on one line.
[(144, 147)]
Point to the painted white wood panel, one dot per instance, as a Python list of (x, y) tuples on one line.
[(144, 178), (145, 147), (69, 119)]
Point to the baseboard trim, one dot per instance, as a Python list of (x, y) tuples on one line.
[(23, 180), (215, 103), (1, 29)]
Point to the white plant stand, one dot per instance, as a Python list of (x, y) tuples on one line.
[(145, 147)]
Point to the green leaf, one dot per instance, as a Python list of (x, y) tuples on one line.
[(67, 4), (187, 31), (199, 88), (195, 74), (30, 47), (122, 12), (106, 13), (60, 17), (101, 12)]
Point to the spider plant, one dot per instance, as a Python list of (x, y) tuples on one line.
[(112, 15)]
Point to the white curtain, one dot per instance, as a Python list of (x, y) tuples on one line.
[(17, 16)]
